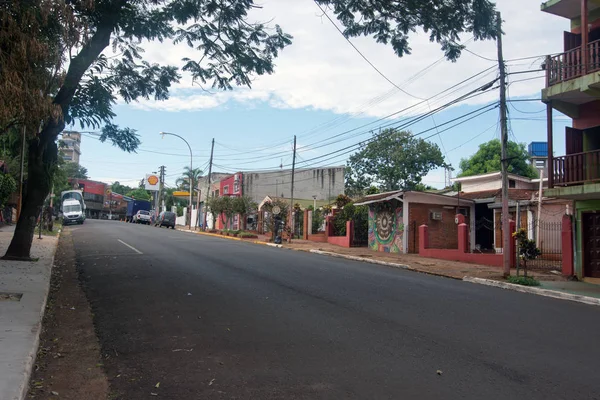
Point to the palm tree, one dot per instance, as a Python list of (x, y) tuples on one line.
[(183, 182)]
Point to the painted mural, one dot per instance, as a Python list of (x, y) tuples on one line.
[(386, 229)]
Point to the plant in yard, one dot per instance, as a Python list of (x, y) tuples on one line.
[(526, 248), (523, 280)]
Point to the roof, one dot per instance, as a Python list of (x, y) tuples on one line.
[(496, 194), (491, 175), (376, 198)]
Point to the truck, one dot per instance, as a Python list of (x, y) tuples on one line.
[(134, 206), (72, 195), (72, 212)]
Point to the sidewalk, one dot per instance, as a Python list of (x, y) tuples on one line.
[(23, 292)]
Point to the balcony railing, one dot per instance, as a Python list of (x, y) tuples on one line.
[(576, 169), (569, 65)]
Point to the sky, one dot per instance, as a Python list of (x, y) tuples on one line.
[(327, 95)]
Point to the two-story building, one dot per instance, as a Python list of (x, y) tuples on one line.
[(573, 88)]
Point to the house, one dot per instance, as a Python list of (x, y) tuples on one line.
[(573, 88), (395, 217), (542, 222), (322, 184), (262, 214)]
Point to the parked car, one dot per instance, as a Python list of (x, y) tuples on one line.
[(142, 217), (166, 218)]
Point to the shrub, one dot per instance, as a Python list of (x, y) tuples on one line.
[(523, 280)]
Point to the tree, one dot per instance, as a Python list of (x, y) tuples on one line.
[(139, 194), (183, 182), (57, 46), (221, 206), (488, 159), (391, 22), (116, 187), (394, 160), (74, 170), (421, 187), (243, 206)]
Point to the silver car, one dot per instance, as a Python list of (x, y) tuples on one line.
[(142, 217)]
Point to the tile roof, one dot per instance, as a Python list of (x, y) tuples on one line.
[(513, 194)]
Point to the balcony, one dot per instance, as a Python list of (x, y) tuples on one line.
[(569, 65), (577, 169)]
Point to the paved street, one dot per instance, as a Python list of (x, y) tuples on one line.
[(209, 318)]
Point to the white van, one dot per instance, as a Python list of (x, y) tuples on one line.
[(72, 212)]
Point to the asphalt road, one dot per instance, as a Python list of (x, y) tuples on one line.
[(196, 317)]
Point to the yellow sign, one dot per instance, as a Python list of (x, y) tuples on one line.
[(181, 194), (108, 192)]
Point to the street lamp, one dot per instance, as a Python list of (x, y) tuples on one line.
[(191, 174)]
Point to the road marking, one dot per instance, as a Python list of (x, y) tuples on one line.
[(131, 247)]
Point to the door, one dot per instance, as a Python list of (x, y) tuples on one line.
[(591, 245)]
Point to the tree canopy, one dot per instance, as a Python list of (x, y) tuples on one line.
[(183, 182), (488, 159), (391, 22), (392, 160)]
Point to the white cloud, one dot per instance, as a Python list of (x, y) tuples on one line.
[(321, 71)]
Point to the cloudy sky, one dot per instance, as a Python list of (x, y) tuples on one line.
[(322, 88)]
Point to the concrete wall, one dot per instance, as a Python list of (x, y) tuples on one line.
[(493, 183), (325, 183)]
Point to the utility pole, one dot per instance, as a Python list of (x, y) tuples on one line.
[(506, 234), (292, 193), (160, 186), (212, 148)]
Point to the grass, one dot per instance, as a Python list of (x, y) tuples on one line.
[(55, 228), (523, 280)]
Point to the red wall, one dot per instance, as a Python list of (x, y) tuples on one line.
[(589, 115), (230, 181), (91, 186)]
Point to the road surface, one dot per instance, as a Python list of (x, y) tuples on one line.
[(185, 316)]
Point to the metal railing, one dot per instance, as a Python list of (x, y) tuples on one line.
[(575, 169), (570, 64)]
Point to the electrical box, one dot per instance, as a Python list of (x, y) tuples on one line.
[(436, 216)]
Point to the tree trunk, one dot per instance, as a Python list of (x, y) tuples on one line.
[(41, 160)]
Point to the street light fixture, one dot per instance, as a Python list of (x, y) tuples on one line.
[(191, 174)]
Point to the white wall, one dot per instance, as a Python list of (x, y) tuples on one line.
[(325, 183)]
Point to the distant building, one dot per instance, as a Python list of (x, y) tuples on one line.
[(324, 183), (72, 150)]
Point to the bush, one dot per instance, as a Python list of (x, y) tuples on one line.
[(247, 235), (523, 280)]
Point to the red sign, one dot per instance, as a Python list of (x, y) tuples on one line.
[(92, 187)]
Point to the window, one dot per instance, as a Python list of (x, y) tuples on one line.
[(236, 186), (226, 189), (512, 183), (73, 208), (144, 212)]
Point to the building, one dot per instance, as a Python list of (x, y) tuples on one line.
[(72, 146), (324, 183), (395, 217), (573, 88)]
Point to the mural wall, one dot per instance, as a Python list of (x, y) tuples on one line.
[(386, 229)]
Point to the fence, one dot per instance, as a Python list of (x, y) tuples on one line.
[(549, 242), (488, 240)]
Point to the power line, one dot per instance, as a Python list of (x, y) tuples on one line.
[(363, 56)]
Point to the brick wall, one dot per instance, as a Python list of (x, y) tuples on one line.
[(442, 234)]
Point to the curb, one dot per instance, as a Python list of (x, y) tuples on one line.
[(249, 240), (36, 342), (593, 301), (363, 259)]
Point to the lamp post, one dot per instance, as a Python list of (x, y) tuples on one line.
[(191, 174)]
